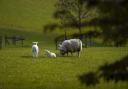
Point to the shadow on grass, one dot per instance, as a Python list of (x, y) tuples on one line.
[(117, 71), (89, 79), (27, 56)]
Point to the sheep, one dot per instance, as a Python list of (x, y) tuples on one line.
[(35, 49), (49, 54), (71, 45)]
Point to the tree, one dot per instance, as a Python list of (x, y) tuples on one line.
[(113, 19), (73, 13)]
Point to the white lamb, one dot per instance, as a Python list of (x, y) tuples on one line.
[(49, 54), (35, 49)]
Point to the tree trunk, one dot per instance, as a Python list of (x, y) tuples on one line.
[(79, 20), (65, 35)]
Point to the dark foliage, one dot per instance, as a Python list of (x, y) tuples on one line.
[(50, 27), (72, 13), (89, 79), (117, 71), (88, 34), (113, 20)]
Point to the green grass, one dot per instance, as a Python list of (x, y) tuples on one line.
[(32, 14), (18, 70)]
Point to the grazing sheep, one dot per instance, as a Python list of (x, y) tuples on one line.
[(71, 45), (35, 49), (49, 54)]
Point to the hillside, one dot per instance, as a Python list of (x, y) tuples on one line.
[(32, 14)]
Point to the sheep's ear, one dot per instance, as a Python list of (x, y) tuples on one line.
[(59, 48), (60, 45)]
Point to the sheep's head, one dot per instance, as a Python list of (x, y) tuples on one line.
[(62, 51)]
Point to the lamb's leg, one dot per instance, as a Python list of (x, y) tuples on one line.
[(33, 55), (36, 54)]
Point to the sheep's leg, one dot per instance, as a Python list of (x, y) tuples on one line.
[(78, 54), (67, 53), (33, 55), (71, 53)]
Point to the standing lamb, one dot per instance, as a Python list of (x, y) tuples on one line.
[(49, 54), (35, 49), (71, 45)]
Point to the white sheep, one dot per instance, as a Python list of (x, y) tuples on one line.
[(71, 45), (49, 54), (35, 49)]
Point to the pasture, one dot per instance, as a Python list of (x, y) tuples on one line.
[(18, 70), (26, 13), (97, 67)]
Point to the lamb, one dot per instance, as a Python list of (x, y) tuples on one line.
[(35, 49), (71, 45), (49, 54)]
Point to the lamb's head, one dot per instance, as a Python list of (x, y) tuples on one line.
[(34, 43), (47, 51)]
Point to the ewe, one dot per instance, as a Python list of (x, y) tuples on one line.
[(49, 54), (71, 45), (35, 49)]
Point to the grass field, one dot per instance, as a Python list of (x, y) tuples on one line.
[(18, 70), (32, 14)]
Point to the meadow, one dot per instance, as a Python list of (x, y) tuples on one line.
[(29, 14), (18, 70)]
